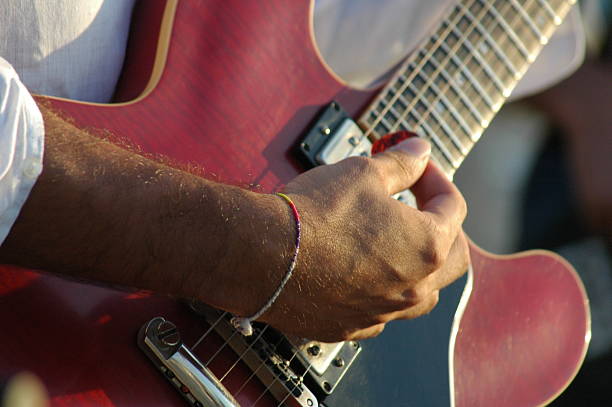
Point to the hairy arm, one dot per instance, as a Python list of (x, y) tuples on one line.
[(101, 213)]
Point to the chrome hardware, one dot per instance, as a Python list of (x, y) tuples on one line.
[(333, 137), (340, 137), (348, 140), (328, 362), (161, 342)]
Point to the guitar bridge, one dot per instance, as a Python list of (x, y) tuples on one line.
[(319, 366), (160, 340)]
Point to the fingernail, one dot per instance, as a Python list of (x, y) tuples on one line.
[(414, 146)]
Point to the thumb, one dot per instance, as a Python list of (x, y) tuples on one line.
[(403, 164)]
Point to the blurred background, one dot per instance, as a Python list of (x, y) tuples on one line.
[(541, 177)]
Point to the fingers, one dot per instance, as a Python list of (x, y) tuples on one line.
[(414, 311), (442, 205), (427, 293), (455, 266), (402, 165)]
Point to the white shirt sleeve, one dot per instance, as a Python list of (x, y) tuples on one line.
[(21, 146)]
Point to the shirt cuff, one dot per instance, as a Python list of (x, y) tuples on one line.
[(21, 146)]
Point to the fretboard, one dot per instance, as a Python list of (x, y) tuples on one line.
[(450, 88)]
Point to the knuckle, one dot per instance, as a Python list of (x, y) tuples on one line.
[(433, 255), (416, 295)]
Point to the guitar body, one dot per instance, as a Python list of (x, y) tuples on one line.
[(226, 89)]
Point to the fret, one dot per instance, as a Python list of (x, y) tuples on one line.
[(544, 17), (440, 160), (479, 94), (411, 123), (532, 26), (457, 93), (437, 85), (545, 6), (455, 44), (436, 108), (379, 130), (512, 35), (561, 6), (484, 66), (382, 127), (445, 83), (501, 56), (424, 128), (520, 27), (417, 115), (450, 89), (492, 25)]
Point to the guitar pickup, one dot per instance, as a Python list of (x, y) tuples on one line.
[(333, 137)]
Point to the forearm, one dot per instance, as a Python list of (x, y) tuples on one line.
[(103, 213)]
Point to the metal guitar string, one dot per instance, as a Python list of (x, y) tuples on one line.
[(289, 393), (209, 330), (259, 367), (427, 113), (443, 64), (225, 343), (420, 65), (241, 356), (269, 386), (449, 55)]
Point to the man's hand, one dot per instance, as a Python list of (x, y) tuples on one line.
[(366, 258)]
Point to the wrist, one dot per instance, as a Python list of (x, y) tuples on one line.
[(251, 247)]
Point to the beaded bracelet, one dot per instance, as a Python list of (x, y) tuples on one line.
[(243, 324)]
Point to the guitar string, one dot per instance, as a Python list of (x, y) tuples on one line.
[(225, 343), (443, 37), (290, 393), (208, 331), (427, 113), (275, 380), (420, 97), (241, 356), (262, 364), (463, 9), (435, 75)]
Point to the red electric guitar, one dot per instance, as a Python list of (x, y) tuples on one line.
[(238, 87)]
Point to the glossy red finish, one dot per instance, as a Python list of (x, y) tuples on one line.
[(524, 332), (241, 84)]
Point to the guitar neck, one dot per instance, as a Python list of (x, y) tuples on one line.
[(450, 88)]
